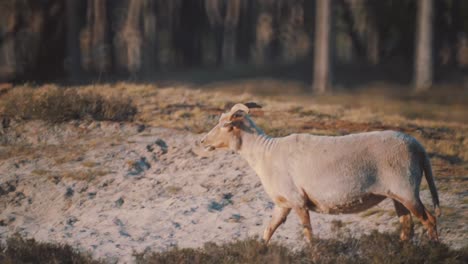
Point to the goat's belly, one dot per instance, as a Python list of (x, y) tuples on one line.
[(351, 206)]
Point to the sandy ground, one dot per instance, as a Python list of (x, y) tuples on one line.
[(115, 189)]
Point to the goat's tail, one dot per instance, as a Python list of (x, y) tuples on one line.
[(430, 181)]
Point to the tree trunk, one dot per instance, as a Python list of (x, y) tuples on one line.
[(72, 61), (293, 41), (100, 46), (373, 52), (216, 21), (264, 33), (149, 35), (230, 32), (131, 36), (321, 81), (423, 59), (7, 46)]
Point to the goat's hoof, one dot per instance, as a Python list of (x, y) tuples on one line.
[(263, 248), (405, 237)]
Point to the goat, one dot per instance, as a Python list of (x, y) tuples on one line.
[(331, 174)]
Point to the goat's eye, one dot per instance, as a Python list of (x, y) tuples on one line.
[(227, 128)]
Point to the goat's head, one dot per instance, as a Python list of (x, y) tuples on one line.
[(227, 133)]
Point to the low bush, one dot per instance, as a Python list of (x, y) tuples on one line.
[(375, 248), (56, 105), (17, 250)]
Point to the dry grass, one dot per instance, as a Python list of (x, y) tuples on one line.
[(17, 250), (373, 248), (60, 153), (337, 225), (84, 175), (173, 190), (54, 104), (79, 175), (40, 172), (89, 164), (373, 211)]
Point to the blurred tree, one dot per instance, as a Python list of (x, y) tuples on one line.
[(31, 39), (95, 50), (230, 31), (423, 58), (72, 60), (129, 39), (224, 19), (293, 40), (169, 17), (150, 36), (43, 39), (9, 26), (321, 81), (262, 49), (352, 13)]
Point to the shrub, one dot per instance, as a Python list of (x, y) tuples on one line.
[(18, 250), (375, 248), (64, 104), (245, 251)]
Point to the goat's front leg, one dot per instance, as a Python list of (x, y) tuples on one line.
[(279, 216), (305, 220)]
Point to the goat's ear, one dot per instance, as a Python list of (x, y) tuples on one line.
[(236, 119), (255, 109), (233, 124), (238, 115), (252, 105)]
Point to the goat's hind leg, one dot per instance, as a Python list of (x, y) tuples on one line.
[(417, 208), (429, 222), (305, 220), (279, 216), (404, 215)]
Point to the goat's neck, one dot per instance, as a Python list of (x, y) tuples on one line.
[(256, 147)]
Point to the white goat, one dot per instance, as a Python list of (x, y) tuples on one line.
[(342, 174)]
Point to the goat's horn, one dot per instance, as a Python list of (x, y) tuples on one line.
[(238, 107)]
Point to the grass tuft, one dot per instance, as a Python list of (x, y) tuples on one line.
[(57, 105), (373, 248), (18, 250)]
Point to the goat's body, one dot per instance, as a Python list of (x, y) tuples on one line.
[(341, 174)]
